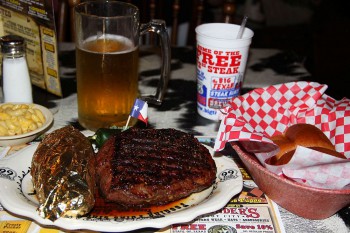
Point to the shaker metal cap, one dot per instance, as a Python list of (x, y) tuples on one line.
[(12, 44)]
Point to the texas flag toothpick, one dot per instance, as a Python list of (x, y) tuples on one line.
[(139, 111)]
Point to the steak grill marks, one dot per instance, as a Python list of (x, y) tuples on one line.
[(154, 167), (150, 158)]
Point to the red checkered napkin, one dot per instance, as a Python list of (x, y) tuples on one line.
[(264, 112), (326, 171)]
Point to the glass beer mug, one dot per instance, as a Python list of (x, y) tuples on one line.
[(107, 35)]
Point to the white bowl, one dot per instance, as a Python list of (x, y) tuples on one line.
[(29, 136)]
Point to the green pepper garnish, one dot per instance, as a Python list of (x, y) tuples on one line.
[(102, 135)]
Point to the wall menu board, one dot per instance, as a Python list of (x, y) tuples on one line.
[(34, 20)]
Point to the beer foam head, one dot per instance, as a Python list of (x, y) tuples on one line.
[(108, 44)]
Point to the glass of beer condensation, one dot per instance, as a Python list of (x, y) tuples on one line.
[(107, 35)]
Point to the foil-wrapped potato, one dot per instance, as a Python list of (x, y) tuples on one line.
[(63, 174)]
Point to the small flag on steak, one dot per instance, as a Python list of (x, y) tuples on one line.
[(139, 110)]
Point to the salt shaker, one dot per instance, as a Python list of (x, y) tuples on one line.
[(15, 74)]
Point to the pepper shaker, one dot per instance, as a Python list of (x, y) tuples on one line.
[(15, 74)]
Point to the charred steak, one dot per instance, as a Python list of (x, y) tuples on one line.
[(149, 167)]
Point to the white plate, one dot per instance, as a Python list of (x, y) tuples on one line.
[(16, 195)]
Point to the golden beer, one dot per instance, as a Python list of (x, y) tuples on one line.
[(107, 81)]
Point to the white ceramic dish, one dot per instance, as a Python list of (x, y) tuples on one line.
[(27, 137), (16, 195)]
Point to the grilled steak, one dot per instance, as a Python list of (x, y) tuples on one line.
[(148, 167), (63, 174)]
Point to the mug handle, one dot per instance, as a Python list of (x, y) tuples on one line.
[(158, 26)]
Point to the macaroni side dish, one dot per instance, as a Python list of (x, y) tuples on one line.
[(18, 119)]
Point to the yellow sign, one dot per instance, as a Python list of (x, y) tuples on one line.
[(20, 226), (34, 21)]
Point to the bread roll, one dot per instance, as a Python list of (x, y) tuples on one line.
[(305, 135)]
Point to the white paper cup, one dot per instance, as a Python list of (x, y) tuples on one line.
[(221, 62)]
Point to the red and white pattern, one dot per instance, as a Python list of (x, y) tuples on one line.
[(317, 169), (264, 112)]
